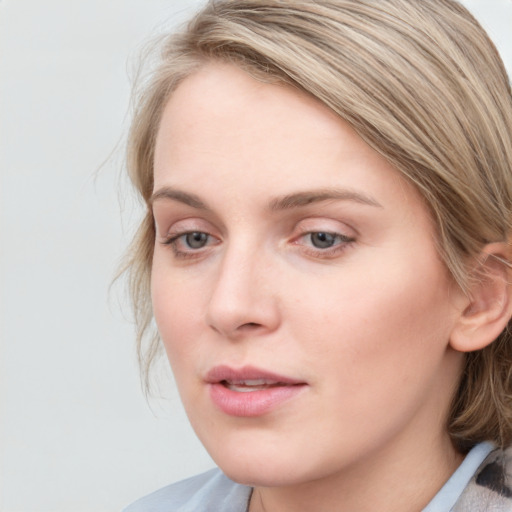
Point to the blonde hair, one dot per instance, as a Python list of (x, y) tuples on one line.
[(421, 83)]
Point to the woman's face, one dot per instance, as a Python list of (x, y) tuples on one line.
[(296, 286)]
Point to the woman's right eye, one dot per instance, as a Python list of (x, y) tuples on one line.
[(190, 243), (195, 240)]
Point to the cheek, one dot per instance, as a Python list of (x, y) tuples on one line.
[(389, 320), (376, 348), (177, 309)]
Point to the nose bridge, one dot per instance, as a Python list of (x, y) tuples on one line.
[(241, 298)]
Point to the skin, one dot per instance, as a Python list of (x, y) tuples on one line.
[(365, 323)]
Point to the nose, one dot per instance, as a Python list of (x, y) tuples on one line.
[(243, 300)]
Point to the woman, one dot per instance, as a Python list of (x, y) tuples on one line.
[(325, 253)]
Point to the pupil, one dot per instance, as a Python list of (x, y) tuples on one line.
[(196, 240), (322, 240)]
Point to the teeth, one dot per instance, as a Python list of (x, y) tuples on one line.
[(254, 382), (245, 389), (246, 386)]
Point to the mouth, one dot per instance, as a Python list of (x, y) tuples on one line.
[(250, 391), (251, 385), (248, 377)]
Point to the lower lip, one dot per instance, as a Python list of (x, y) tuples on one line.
[(252, 403)]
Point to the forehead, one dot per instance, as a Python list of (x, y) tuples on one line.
[(223, 126), (220, 97)]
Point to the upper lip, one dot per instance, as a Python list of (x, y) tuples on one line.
[(233, 375)]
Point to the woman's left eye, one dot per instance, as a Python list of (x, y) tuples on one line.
[(322, 240), (325, 242)]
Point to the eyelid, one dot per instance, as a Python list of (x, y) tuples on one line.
[(344, 234), (167, 226), (167, 214), (325, 225)]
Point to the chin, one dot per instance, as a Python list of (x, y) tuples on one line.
[(253, 463), (254, 475), (270, 465)]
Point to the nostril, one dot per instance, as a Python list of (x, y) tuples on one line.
[(249, 325)]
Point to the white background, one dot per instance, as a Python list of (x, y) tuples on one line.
[(76, 432)]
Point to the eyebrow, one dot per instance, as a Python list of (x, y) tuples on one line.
[(180, 196), (287, 202), (301, 199)]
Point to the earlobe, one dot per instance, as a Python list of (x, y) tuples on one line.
[(489, 305)]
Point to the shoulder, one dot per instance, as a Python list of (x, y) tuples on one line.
[(491, 486), (209, 491)]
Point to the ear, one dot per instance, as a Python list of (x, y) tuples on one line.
[(489, 304)]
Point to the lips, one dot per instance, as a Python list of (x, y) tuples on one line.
[(250, 391)]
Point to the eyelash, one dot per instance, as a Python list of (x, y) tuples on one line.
[(343, 242)]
